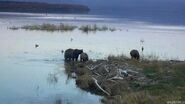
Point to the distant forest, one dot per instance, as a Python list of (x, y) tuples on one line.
[(34, 7)]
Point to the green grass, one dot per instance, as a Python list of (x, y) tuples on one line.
[(168, 77)]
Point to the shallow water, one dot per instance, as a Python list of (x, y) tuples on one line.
[(30, 75), (32, 81)]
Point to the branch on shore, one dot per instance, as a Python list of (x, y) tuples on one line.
[(96, 82), (106, 68), (117, 77), (97, 74), (93, 67)]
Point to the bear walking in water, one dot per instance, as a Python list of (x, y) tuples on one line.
[(134, 54), (72, 54), (84, 57)]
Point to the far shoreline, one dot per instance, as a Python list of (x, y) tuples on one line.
[(41, 7)]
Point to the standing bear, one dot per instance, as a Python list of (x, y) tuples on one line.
[(84, 57), (72, 54), (134, 54)]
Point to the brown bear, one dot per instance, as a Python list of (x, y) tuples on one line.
[(72, 54), (134, 54), (84, 57)]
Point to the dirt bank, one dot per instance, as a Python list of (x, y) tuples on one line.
[(124, 81)]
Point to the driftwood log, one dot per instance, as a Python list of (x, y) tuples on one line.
[(96, 82)]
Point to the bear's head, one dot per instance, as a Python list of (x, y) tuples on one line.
[(78, 51)]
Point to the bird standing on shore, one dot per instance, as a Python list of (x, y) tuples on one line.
[(36, 45), (62, 51), (142, 48)]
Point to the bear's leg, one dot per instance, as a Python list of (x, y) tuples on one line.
[(72, 59), (76, 59), (66, 59)]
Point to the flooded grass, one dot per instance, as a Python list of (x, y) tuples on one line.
[(50, 27), (64, 28), (13, 28), (94, 28)]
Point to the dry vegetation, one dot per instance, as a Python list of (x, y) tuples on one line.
[(63, 28), (49, 27), (94, 28), (14, 28), (126, 81)]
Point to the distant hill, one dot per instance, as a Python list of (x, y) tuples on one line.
[(34, 7)]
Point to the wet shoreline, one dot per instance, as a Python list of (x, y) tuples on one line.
[(119, 76)]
